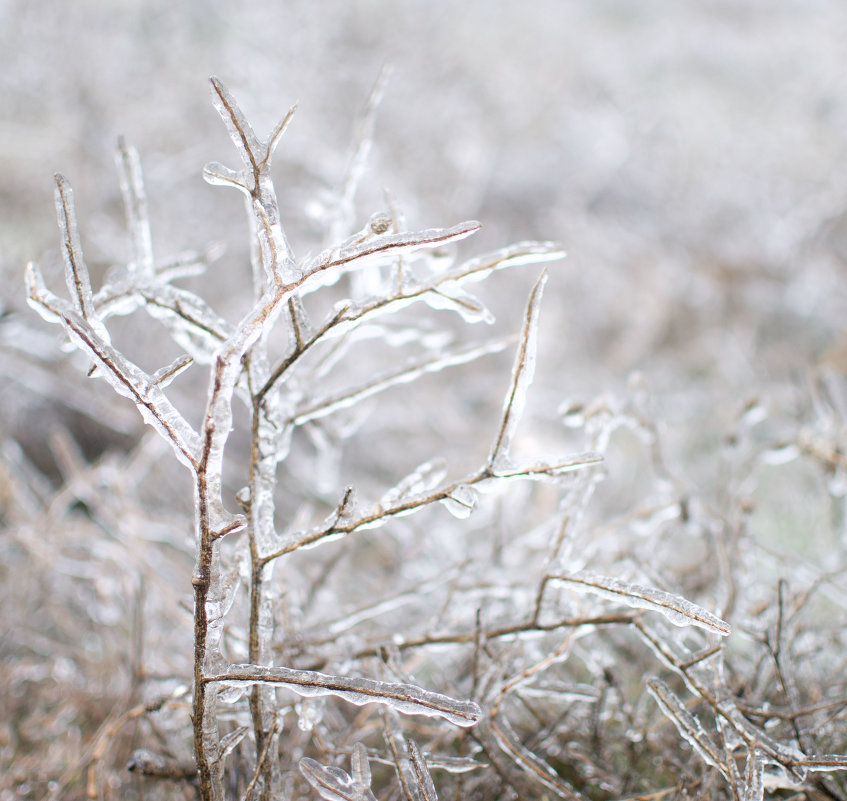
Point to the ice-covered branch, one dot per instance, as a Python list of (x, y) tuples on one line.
[(350, 314), (76, 271), (456, 492), (141, 261), (335, 784), (405, 698), (688, 726), (679, 610), (409, 372), (522, 374), (126, 378), (380, 249)]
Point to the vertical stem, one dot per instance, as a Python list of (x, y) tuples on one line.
[(258, 695), (263, 463), (203, 709)]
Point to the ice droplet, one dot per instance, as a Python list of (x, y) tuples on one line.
[(461, 501)]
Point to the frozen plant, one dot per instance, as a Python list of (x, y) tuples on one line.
[(237, 743)]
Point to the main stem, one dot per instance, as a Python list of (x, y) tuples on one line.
[(205, 750)]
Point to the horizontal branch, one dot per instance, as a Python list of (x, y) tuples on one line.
[(406, 698), (514, 630), (342, 524), (679, 610), (409, 372)]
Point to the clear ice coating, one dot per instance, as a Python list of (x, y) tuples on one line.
[(687, 724), (754, 776), (678, 610), (334, 784), (406, 698), (523, 371), (423, 478), (511, 745), (450, 296), (461, 501), (420, 771)]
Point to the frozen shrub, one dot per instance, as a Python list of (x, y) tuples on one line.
[(527, 662)]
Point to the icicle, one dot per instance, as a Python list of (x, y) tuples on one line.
[(310, 713)]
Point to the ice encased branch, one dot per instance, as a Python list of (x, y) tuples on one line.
[(126, 378), (687, 724), (522, 374), (334, 784), (678, 610), (405, 698), (141, 261), (274, 252)]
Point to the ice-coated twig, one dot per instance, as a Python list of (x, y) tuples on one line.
[(350, 314), (530, 763), (341, 216), (165, 375), (516, 255), (405, 698), (754, 775), (528, 628), (420, 771), (522, 373), (400, 756), (125, 377), (76, 272), (277, 259), (790, 760), (687, 724), (379, 515), (678, 610), (453, 297), (824, 762), (381, 249), (409, 372), (241, 132), (141, 262), (360, 768), (335, 784)]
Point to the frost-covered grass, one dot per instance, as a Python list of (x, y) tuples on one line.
[(325, 573)]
